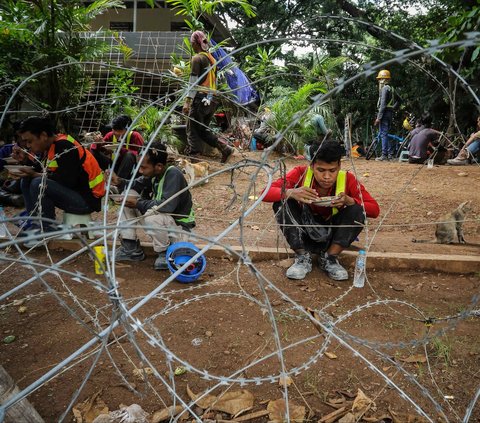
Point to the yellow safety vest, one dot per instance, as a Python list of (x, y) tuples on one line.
[(127, 144), (210, 81), (340, 183)]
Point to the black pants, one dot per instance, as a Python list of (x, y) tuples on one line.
[(198, 130), (289, 217), (123, 167)]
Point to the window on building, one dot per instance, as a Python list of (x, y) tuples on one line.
[(121, 26)]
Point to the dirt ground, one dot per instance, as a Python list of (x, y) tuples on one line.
[(411, 329)]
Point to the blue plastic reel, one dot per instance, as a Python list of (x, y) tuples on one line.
[(178, 254)]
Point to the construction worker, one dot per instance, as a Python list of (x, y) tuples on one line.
[(73, 182), (469, 150), (385, 106), (202, 100), (105, 150), (164, 207), (320, 210)]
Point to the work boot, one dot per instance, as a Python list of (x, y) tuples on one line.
[(382, 158), (461, 159), (330, 265), (226, 153), (161, 262), (130, 250), (301, 267)]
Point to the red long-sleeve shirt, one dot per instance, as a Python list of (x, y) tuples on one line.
[(135, 145), (295, 178)]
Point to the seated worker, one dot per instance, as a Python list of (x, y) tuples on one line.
[(128, 153), (420, 143), (158, 183), (73, 181), (469, 150), (309, 228)]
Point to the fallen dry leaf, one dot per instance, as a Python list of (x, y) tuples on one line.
[(251, 416), (348, 418), (18, 302), (91, 408), (204, 402), (334, 415), (418, 358), (366, 175), (166, 413), (462, 174), (277, 411), (361, 404), (142, 373), (377, 419), (231, 402), (22, 309), (285, 381), (330, 355)]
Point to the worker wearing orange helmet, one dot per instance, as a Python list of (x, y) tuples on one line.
[(385, 106)]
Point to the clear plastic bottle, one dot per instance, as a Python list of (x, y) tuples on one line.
[(3, 228), (359, 275)]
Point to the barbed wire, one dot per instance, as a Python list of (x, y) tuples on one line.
[(121, 312)]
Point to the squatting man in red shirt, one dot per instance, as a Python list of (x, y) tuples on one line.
[(314, 225)]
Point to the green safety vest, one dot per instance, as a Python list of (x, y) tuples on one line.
[(340, 183), (391, 102), (158, 196)]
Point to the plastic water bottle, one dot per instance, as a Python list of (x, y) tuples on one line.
[(3, 228), (253, 144), (359, 275)]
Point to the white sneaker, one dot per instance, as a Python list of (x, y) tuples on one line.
[(331, 266), (301, 267)]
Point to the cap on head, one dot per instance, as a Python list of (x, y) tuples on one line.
[(199, 38), (384, 74)]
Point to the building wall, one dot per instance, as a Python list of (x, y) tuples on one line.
[(147, 19)]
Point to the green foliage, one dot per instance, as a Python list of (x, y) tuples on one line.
[(194, 10), (262, 69), (42, 34), (459, 24), (290, 107)]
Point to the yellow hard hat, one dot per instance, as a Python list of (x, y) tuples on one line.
[(384, 74), (407, 125)]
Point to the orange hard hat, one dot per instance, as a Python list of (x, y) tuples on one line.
[(384, 74)]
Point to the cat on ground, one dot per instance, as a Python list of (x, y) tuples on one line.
[(194, 171), (450, 226)]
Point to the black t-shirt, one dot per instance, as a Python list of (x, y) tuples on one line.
[(70, 172)]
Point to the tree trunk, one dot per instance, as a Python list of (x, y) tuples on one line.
[(451, 92), (22, 411)]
